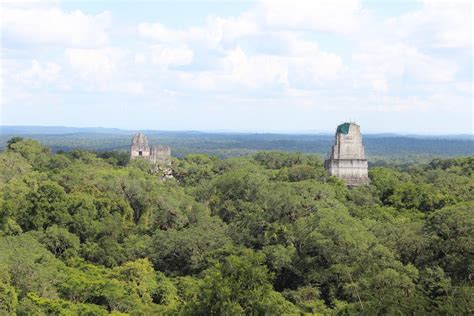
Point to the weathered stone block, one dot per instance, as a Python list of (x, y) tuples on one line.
[(140, 149), (347, 157)]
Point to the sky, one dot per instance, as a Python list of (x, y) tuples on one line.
[(261, 66)]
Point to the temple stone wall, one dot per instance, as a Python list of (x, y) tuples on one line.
[(140, 149), (160, 153), (347, 157)]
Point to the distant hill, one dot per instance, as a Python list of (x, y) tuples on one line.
[(63, 130), (53, 130), (404, 147)]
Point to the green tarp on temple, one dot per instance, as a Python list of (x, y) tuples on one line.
[(343, 128)]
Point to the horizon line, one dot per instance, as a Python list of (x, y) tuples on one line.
[(231, 131)]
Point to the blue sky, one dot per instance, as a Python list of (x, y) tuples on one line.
[(263, 66)]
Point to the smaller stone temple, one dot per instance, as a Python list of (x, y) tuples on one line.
[(156, 154), (347, 157)]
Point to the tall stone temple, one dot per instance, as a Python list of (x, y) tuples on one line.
[(347, 158), (140, 149)]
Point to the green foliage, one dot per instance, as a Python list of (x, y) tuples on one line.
[(139, 277), (195, 169), (12, 141), (60, 242), (47, 306), (85, 233), (461, 166), (278, 160), (116, 158), (450, 233), (386, 181), (37, 155), (8, 299), (308, 299), (185, 251), (301, 172), (29, 266), (12, 165), (238, 285)]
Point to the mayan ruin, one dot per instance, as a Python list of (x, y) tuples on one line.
[(156, 154), (347, 158)]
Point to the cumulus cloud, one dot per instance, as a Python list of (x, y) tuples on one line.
[(254, 71), (44, 73), (159, 32), (215, 32), (105, 70), (380, 85), (438, 24), (35, 74), (235, 64), (30, 3), (398, 61), (314, 54), (94, 62), (341, 17), (39, 26), (171, 56)]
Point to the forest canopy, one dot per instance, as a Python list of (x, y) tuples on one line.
[(265, 234)]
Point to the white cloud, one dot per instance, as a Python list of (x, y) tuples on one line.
[(159, 32), (439, 24), (44, 73), (40, 26), (128, 87), (263, 73), (200, 81), (232, 63), (214, 32), (324, 55), (30, 4), (380, 85), (327, 16), (227, 30), (313, 70), (171, 56), (140, 58), (254, 71), (104, 70), (94, 62), (437, 101), (36, 74), (386, 103), (381, 60), (302, 64), (464, 87)]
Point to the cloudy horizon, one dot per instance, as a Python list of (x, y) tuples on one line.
[(266, 66)]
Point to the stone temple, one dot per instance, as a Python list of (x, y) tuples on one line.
[(347, 158), (156, 154)]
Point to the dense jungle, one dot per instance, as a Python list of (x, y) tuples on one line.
[(268, 233)]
